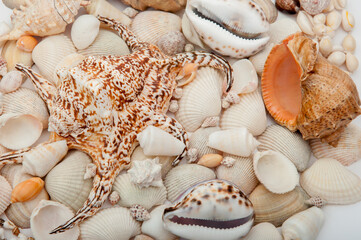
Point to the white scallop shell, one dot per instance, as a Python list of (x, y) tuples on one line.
[(41, 159), (290, 144), (282, 28), (5, 194), (241, 173), (245, 77), (304, 225), (11, 81), (131, 193), (201, 99), (199, 140), (331, 181), (49, 52), (236, 141), (263, 231), (260, 58), (249, 113), (13, 55), (48, 215), (275, 171), (65, 183), (154, 226), (182, 177), (84, 31), (110, 224)]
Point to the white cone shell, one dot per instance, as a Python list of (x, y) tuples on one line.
[(332, 182), (290, 144), (199, 141), (156, 141), (84, 31), (249, 113), (5, 194), (236, 141), (304, 225), (275, 171), (201, 99), (113, 223), (245, 77), (263, 231), (49, 215)]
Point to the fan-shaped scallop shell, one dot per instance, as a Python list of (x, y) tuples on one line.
[(276, 208), (106, 43), (13, 55), (331, 181), (249, 113), (348, 149), (201, 99), (49, 52), (131, 193), (199, 141), (263, 231), (110, 224), (280, 139), (5, 194), (183, 177), (241, 173), (65, 183)]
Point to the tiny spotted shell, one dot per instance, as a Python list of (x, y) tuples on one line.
[(27, 190)]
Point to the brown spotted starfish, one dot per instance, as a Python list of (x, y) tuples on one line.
[(102, 103)]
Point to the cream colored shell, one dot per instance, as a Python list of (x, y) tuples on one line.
[(263, 231)]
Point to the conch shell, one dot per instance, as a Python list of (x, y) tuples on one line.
[(303, 91)]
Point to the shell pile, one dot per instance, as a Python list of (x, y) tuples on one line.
[(241, 177)]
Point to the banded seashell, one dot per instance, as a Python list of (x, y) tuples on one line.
[(5, 194), (110, 224), (241, 173), (65, 183), (263, 231), (281, 29), (48, 215), (84, 31), (348, 149), (276, 208), (249, 113), (201, 99), (245, 77), (290, 144), (27, 190), (131, 193), (13, 55), (183, 177), (331, 181), (258, 60)]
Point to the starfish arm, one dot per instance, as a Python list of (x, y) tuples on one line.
[(13, 157)]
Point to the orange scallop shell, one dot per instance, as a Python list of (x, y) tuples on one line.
[(27, 190), (303, 91)]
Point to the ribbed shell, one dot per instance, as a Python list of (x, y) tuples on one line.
[(65, 182), (113, 223), (331, 181), (290, 144), (182, 177), (260, 58), (348, 149), (263, 231), (131, 193), (199, 141), (13, 55), (5, 194), (106, 43), (276, 208), (201, 99), (241, 173), (249, 113), (281, 29)]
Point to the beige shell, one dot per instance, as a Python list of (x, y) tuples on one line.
[(49, 52), (65, 182), (305, 22), (210, 160), (331, 181), (314, 7), (84, 31), (281, 29), (245, 77), (106, 43), (13, 55), (131, 193), (249, 113), (5, 194), (276, 208), (269, 9), (263, 231), (290, 144), (110, 224), (11, 81), (241, 173), (351, 62), (171, 43), (334, 19), (348, 21), (13, 3), (184, 176), (201, 99), (260, 58), (349, 43)]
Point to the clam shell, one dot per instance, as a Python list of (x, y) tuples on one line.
[(65, 183), (49, 52), (290, 144), (201, 99), (183, 177), (106, 43), (249, 113), (245, 77), (260, 58), (13, 55), (84, 31), (131, 193), (241, 173), (5, 194), (48, 215), (331, 181), (303, 225), (199, 140), (11, 81), (263, 231), (281, 29), (276, 208), (110, 224)]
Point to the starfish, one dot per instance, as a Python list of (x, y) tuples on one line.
[(102, 103)]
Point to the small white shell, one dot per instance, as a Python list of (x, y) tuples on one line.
[(330, 32), (84, 31), (11, 81), (325, 46), (146, 173), (329, 8), (319, 29), (339, 4), (348, 21), (110, 224), (333, 19), (349, 43), (49, 215), (40, 160), (260, 58), (275, 171), (156, 141), (5, 194), (263, 231), (283, 28), (245, 77), (319, 18), (199, 140), (305, 23), (351, 62), (337, 58)]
